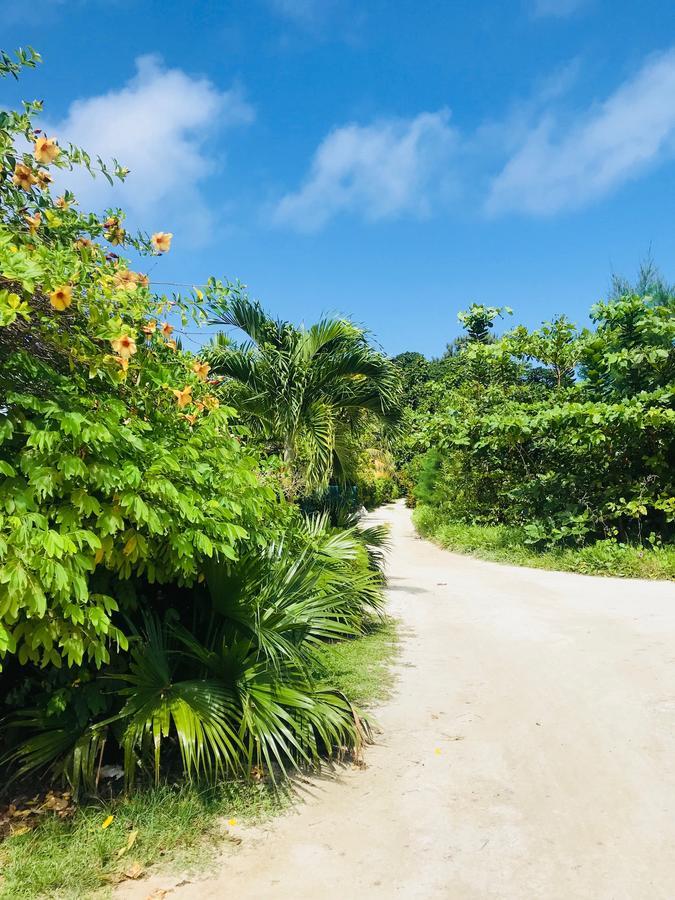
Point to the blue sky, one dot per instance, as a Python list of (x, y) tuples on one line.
[(393, 161)]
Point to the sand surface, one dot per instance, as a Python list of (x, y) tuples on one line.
[(528, 750)]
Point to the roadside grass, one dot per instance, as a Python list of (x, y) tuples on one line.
[(501, 543), (176, 827), (74, 858), (361, 668)]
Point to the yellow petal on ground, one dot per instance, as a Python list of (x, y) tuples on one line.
[(108, 822), (438, 751), (231, 821)]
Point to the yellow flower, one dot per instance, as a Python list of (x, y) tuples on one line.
[(143, 280), (61, 297), (46, 150), (122, 362), (126, 280), (124, 345), (172, 345), (191, 417), (33, 222), (62, 203), (43, 178), (150, 327), (23, 177), (161, 241), (201, 369), (116, 235), (211, 402), (108, 821), (83, 244), (184, 397), (166, 329)]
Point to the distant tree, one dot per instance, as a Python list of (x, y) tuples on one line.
[(555, 345), (478, 319)]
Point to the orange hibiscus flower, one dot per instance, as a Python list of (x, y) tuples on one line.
[(46, 150), (124, 345), (61, 297), (161, 241), (201, 369), (125, 280), (23, 177), (184, 397), (33, 222)]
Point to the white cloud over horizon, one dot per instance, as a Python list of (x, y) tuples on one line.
[(377, 171), (541, 157), (563, 165), (165, 126)]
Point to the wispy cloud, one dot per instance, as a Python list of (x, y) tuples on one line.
[(566, 164), (159, 125), (377, 171), (559, 9), (302, 12)]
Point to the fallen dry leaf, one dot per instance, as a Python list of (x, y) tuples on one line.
[(135, 870), (131, 840)]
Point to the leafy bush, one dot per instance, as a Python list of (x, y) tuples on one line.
[(160, 601), (509, 435)]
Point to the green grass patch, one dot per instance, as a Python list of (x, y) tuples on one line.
[(177, 827), (77, 857), (501, 543), (361, 668)]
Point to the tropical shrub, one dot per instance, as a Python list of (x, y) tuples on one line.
[(305, 391), (160, 601), (115, 460), (568, 437)]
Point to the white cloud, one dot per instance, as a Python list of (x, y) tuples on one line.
[(558, 9), (157, 125), (566, 165), (376, 171)]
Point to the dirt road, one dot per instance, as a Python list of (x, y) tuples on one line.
[(528, 750)]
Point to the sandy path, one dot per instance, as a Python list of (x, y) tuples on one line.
[(528, 751)]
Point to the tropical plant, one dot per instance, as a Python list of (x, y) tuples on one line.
[(115, 461), (160, 602), (303, 389), (566, 437), (225, 686)]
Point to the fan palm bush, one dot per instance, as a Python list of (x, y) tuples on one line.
[(223, 684)]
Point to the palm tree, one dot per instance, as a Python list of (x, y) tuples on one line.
[(303, 389)]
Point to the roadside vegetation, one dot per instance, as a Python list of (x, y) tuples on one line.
[(181, 558), (552, 447)]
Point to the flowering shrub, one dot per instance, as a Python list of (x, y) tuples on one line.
[(116, 460)]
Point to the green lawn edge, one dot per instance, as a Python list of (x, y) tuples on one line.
[(502, 544)]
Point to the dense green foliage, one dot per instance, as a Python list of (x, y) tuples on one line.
[(305, 391), (566, 437), (161, 600)]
